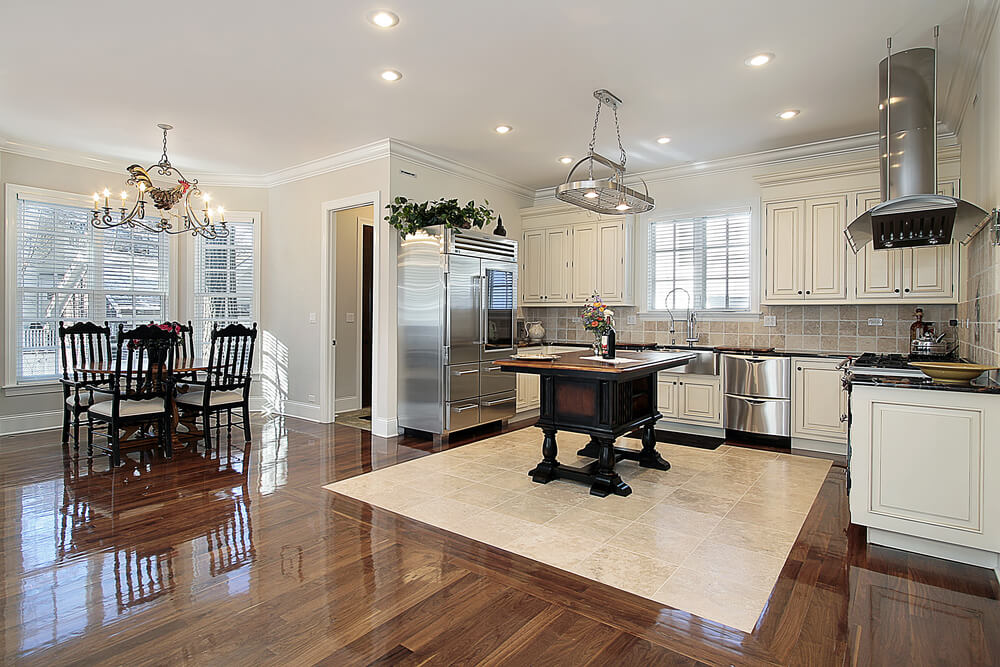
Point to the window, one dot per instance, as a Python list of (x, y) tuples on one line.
[(67, 270), (708, 257), (224, 280)]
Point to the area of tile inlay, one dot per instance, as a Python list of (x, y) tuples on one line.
[(709, 536)]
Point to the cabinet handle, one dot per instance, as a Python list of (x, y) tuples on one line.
[(808, 292), (843, 418), (897, 290), (799, 368), (800, 291), (907, 289)]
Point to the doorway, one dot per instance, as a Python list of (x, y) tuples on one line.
[(354, 300)]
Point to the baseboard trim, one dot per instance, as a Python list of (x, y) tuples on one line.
[(30, 422), (927, 547), (308, 411), (385, 428), (823, 447), (347, 404)]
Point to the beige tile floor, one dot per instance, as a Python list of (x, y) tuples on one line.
[(709, 536)]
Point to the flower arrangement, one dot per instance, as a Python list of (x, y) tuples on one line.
[(171, 327), (596, 315), (409, 216)]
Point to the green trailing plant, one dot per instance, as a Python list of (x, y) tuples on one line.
[(409, 216)]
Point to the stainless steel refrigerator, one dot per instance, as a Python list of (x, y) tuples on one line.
[(457, 312)]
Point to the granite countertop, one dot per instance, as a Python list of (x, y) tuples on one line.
[(719, 349), (981, 385)]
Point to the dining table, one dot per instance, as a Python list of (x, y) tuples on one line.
[(183, 367)]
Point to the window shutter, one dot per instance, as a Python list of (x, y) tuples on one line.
[(67, 270), (223, 281), (708, 257)]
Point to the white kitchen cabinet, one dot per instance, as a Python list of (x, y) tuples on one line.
[(528, 396), (699, 400), (927, 273), (925, 471), (666, 398), (584, 264), (569, 255), (804, 250), (613, 242), (545, 261), (819, 401)]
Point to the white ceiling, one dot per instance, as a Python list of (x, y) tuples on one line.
[(253, 86)]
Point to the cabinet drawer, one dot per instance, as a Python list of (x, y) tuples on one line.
[(498, 406), (757, 376), (493, 379), (461, 414), (462, 381), (757, 415)]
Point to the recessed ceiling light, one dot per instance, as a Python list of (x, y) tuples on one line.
[(663, 140), (759, 59), (788, 113), (504, 129), (565, 159), (391, 75), (384, 19)]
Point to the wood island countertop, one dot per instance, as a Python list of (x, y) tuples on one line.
[(573, 363)]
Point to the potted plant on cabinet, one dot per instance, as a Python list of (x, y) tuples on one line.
[(409, 216)]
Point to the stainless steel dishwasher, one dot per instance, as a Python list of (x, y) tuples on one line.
[(758, 392)]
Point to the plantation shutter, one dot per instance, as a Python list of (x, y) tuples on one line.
[(223, 281)]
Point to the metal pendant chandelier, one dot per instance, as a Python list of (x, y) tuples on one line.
[(165, 200), (605, 195)]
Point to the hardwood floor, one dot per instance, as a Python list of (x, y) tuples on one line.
[(243, 557)]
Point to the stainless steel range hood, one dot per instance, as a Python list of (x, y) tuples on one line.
[(911, 214)]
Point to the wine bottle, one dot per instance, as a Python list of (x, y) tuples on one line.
[(608, 341)]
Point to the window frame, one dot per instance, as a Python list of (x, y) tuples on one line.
[(642, 276), (190, 248)]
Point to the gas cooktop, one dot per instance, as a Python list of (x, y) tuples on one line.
[(870, 363)]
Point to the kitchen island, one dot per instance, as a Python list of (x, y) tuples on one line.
[(604, 400)]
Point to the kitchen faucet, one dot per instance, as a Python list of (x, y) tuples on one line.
[(692, 319)]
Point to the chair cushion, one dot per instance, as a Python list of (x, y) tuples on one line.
[(130, 408), (217, 398), (87, 399)]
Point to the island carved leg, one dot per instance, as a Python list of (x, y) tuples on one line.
[(545, 471), (606, 480), (649, 457), (592, 450)]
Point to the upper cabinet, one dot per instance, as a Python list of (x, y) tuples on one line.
[(804, 250), (567, 256), (929, 273)]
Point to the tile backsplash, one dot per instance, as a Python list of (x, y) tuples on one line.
[(815, 328), (981, 307)]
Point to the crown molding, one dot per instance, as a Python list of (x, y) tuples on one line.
[(978, 25), (808, 151), (440, 163), (352, 157)]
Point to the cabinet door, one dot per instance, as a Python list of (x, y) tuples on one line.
[(527, 391), (583, 266), (611, 261), (819, 401), (666, 398), (824, 248), (532, 265), (783, 244), (698, 400), (879, 271), (927, 271), (555, 264)]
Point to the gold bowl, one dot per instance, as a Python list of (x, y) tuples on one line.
[(951, 372)]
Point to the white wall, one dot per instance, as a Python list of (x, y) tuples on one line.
[(16, 408)]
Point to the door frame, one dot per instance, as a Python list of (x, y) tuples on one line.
[(328, 305)]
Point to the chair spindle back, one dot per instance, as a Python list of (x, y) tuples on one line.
[(230, 358), (145, 362), (84, 344)]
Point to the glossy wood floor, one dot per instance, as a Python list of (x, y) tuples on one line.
[(243, 557)]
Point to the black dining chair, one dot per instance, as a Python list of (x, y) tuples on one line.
[(227, 380), (140, 390), (82, 345)]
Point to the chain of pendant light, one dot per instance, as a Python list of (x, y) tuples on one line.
[(618, 133)]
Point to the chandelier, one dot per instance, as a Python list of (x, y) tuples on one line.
[(173, 213), (604, 195)]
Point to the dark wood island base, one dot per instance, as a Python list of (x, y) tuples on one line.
[(603, 401)]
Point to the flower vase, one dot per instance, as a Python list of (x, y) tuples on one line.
[(597, 344)]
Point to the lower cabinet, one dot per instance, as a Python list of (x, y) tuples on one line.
[(527, 392), (819, 402), (690, 398)]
